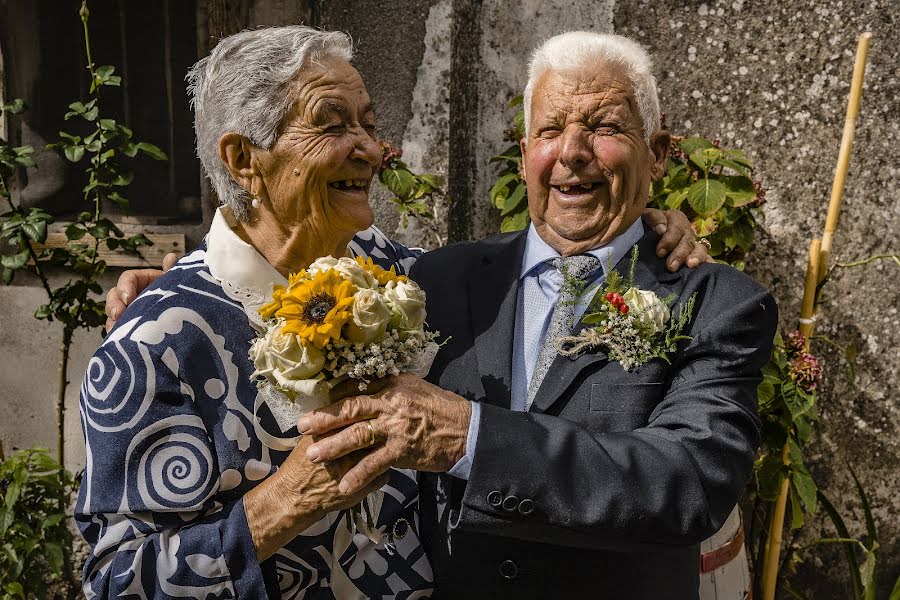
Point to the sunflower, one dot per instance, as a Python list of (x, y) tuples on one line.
[(268, 311), (317, 308), (381, 275)]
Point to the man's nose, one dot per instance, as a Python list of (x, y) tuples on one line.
[(367, 148), (575, 150)]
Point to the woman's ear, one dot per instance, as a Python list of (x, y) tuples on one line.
[(659, 146), (235, 151)]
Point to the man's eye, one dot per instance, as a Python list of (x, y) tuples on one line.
[(607, 128), (334, 129), (549, 131)]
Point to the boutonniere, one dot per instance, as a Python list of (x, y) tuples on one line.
[(633, 325)]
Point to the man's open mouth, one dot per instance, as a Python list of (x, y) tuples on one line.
[(350, 185), (577, 189)]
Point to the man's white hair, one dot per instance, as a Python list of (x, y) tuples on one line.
[(244, 86), (577, 50)]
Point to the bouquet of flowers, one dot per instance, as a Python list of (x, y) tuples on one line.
[(340, 319), (634, 325)]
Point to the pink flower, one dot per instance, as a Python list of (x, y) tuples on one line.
[(805, 371), (389, 154), (795, 343)]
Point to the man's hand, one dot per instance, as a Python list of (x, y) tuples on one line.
[(677, 239), (409, 423), (131, 283), (297, 495)]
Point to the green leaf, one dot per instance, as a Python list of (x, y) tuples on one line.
[(765, 392), (400, 182), (36, 231), (152, 151), (123, 179), (705, 158), (690, 145), (806, 488), (770, 472), (676, 198), (706, 196), (120, 200), (15, 107), (108, 124), (75, 232), (796, 510), (91, 114), (43, 311), (849, 554), (515, 222), (895, 592), (53, 552), (867, 574), (704, 226), (514, 201), (15, 261), (740, 189), (7, 276), (74, 153), (871, 531)]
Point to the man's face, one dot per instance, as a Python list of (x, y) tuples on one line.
[(323, 161), (587, 167)]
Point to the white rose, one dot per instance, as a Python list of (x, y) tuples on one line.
[(322, 264), (282, 356), (648, 308), (371, 315), (351, 270), (407, 300)]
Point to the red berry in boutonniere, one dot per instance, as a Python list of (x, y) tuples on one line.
[(623, 308), (609, 296)]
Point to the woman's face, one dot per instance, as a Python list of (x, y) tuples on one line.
[(321, 166)]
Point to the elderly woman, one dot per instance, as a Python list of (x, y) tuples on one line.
[(191, 489)]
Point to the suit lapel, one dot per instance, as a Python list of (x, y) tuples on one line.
[(492, 306), (649, 274)]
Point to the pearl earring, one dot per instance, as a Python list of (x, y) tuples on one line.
[(255, 203), (296, 172)]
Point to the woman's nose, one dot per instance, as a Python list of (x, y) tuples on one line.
[(367, 148)]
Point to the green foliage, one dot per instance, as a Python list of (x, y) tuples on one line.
[(34, 538), (413, 195), (509, 194), (787, 410), (714, 187)]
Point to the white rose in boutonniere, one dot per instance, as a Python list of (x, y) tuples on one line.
[(648, 307), (408, 302), (322, 264), (281, 357), (371, 315)]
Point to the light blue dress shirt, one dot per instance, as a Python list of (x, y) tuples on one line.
[(539, 287)]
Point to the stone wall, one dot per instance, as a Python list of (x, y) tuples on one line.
[(769, 77)]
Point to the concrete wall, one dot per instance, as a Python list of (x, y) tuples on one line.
[(768, 76)]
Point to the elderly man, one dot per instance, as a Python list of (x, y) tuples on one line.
[(569, 474)]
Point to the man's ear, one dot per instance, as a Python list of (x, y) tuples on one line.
[(659, 146), (522, 146), (235, 151)]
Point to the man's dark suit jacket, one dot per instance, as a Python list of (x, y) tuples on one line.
[(605, 488)]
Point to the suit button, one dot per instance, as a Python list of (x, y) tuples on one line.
[(401, 527), (526, 507), (495, 498), (510, 503), (508, 569)]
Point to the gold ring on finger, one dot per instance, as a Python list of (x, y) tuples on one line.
[(704, 242), (372, 437)]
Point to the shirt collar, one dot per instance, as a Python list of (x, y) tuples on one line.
[(537, 251), (233, 260)]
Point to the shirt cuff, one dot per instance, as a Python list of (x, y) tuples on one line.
[(462, 469)]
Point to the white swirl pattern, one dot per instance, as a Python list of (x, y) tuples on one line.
[(176, 434)]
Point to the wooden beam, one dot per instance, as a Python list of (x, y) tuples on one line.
[(148, 256)]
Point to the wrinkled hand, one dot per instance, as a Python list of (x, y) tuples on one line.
[(131, 283), (416, 425), (297, 495), (678, 239)]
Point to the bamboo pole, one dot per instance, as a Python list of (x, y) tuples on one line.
[(817, 268), (840, 172)]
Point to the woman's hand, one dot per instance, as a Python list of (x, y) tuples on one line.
[(131, 283), (677, 239), (409, 423), (297, 495)]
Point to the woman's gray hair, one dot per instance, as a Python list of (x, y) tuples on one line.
[(244, 86), (582, 49)]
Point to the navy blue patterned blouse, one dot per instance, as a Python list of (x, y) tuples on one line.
[(176, 434)]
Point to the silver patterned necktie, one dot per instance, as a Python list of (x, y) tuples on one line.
[(573, 268)]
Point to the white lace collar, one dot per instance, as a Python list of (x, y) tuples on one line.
[(232, 260)]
